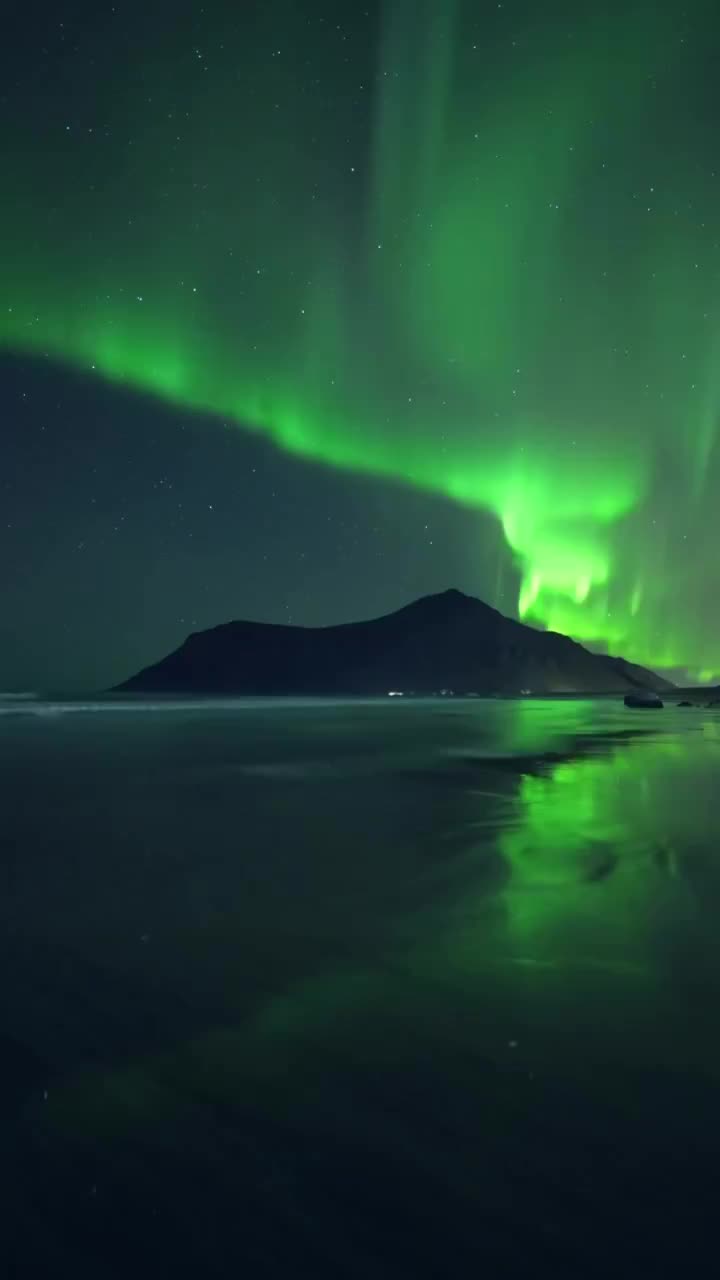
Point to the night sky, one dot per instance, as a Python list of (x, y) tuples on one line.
[(307, 309)]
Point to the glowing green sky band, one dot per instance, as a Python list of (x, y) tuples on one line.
[(500, 291)]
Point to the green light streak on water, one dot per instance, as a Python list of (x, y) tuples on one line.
[(599, 888)]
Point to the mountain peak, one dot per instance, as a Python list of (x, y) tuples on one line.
[(445, 641), (448, 600), (449, 605)]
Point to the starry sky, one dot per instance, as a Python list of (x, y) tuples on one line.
[(307, 309)]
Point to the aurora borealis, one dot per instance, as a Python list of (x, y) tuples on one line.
[(472, 249)]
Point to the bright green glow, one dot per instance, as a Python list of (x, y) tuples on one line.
[(503, 295), (577, 820), (598, 857)]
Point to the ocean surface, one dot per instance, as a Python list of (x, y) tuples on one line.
[(392, 989)]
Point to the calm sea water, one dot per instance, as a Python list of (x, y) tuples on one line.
[(359, 990)]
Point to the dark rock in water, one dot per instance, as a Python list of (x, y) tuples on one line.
[(643, 701), (686, 704), (601, 865)]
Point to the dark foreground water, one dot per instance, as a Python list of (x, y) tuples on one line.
[(364, 990)]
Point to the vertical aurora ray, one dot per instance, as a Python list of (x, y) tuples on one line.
[(489, 272)]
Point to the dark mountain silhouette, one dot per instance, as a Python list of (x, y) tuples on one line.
[(442, 642)]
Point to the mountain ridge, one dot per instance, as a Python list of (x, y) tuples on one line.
[(446, 641)]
